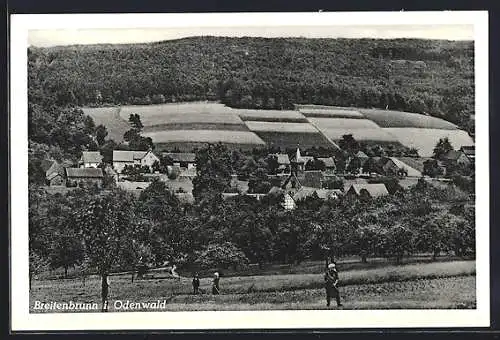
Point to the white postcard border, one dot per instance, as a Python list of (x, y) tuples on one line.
[(21, 319)]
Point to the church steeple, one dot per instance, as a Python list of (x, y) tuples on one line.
[(297, 154)]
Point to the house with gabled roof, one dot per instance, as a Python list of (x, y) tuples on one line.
[(122, 158), (392, 165), (469, 151), (283, 163), (90, 159), (456, 157), (76, 176), (324, 194), (371, 190), (54, 172), (329, 162), (184, 160)]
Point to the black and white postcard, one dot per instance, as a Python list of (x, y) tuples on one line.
[(249, 170)]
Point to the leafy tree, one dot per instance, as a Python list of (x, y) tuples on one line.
[(101, 133), (213, 170), (398, 241), (107, 151), (367, 241), (354, 165), (442, 147), (272, 164), (349, 144), (432, 168), (36, 175), (223, 256), (259, 182), (315, 164), (37, 264), (372, 166), (108, 224), (135, 122), (334, 183)]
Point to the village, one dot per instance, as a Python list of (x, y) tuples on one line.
[(296, 177)]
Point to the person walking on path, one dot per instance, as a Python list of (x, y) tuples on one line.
[(196, 283), (331, 285), (215, 284)]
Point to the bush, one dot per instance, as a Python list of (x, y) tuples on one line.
[(222, 255)]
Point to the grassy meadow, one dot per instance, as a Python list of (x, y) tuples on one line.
[(445, 284)]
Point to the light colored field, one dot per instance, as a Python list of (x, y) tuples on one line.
[(281, 127), (331, 112), (110, 118), (394, 119), (375, 134), (195, 126), (432, 285), (271, 115), (425, 139), (342, 123), (152, 115), (159, 118), (205, 136)]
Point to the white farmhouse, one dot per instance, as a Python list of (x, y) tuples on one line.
[(131, 158), (90, 159)]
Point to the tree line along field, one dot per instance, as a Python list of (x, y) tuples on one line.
[(448, 284), (188, 125)]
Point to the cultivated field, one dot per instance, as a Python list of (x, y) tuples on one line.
[(423, 285), (205, 136), (281, 127), (425, 139), (175, 108), (331, 113), (110, 118), (291, 139), (363, 135), (343, 123), (190, 125), (398, 119), (284, 116)]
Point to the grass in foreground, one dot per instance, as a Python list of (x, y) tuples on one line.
[(433, 285), (443, 293)]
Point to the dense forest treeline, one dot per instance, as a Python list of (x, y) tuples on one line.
[(423, 76)]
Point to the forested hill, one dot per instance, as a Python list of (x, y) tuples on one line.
[(423, 76)]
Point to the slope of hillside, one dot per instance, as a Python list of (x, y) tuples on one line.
[(420, 76)]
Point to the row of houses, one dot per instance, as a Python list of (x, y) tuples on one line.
[(122, 158), (290, 198)]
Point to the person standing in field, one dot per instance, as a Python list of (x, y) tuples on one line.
[(196, 283), (215, 284), (331, 284)]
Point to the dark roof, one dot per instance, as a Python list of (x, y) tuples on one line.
[(312, 179), (374, 189), (469, 150), (84, 173), (453, 155), (47, 164), (52, 175), (181, 157), (329, 162)]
